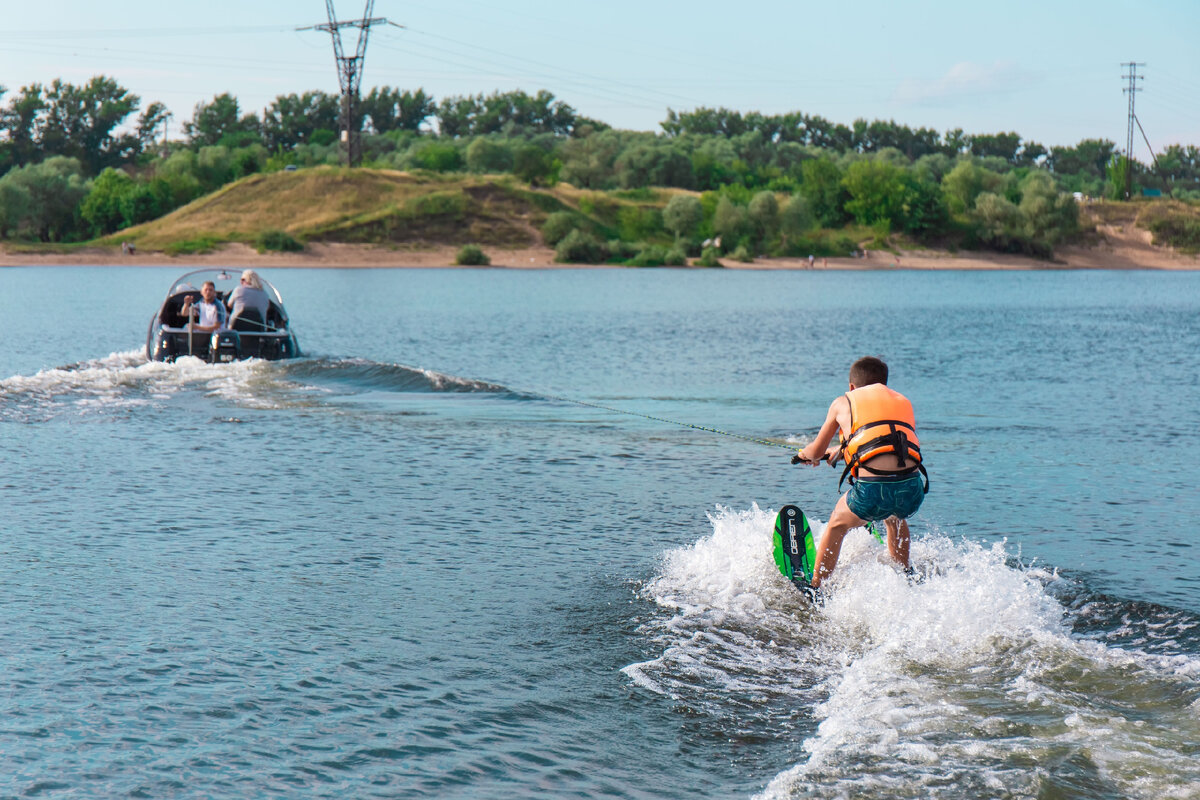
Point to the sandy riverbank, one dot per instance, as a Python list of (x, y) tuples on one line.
[(1118, 250)]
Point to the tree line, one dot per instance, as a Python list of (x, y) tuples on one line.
[(81, 161)]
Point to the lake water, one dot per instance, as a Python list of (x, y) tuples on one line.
[(403, 566)]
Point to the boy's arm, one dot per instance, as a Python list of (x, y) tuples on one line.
[(818, 449)]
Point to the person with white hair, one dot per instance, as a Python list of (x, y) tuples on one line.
[(249, 301)]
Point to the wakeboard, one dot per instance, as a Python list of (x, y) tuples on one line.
[(795, 550)]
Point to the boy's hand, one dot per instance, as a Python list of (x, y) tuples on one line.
[(800, 458)]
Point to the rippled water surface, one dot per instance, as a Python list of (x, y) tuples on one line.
[(408, 565)]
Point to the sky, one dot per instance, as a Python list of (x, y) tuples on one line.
[(1050, 70)]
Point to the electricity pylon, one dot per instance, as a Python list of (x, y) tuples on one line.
[(350, 72)]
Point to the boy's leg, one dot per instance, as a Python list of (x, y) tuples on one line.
[(897, 539), (840, 521)]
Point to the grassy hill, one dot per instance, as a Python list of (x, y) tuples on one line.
[(412, 210), (1171, 223), (419, 211)]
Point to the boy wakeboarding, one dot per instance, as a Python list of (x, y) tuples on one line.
[(878, 441)]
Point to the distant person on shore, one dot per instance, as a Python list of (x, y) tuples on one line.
[(210, 313), (878, 441), (811, 261), (249, 296)]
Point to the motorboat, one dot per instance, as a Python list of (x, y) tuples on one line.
[(173, 335)]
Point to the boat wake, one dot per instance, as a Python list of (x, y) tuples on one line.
[(983, 677), (122, 382)]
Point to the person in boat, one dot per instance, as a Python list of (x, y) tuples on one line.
[(210, 312), (249, 295), (878, 442)]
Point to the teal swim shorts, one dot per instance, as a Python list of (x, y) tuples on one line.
[(875, 498)]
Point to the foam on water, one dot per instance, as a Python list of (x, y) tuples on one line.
[(970, 681), (126, 380)]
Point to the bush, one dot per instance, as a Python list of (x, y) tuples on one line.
[(675, 257), (742, 254), (277, 241), (650, 256), (709, 258), (619, 250), (437, 156), (1177, 231), (470, 255), (557, 226), (580, 248)]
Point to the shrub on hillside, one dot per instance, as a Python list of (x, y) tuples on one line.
[(652, 255), (470, 255), (580, 248), (277, 241), (557, 226), (622, 251), (1180, 232)]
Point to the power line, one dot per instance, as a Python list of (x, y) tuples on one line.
[(1132, 91), (350, 70)]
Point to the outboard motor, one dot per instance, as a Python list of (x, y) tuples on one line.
[(163, 348), (225, 346)]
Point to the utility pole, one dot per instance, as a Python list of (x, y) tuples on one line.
[(1131, 90), (350, 71)]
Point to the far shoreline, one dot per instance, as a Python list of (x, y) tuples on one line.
[(1115, 253)]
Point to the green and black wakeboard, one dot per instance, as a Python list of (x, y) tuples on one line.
[(795, 550)]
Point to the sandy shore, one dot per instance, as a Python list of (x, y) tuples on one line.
[(1119, 250)]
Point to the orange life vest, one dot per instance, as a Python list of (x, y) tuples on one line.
[(881, 421)]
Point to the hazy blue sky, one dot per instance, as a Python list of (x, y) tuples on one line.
[(1049, 70)]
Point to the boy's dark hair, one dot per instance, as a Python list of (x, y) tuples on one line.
[(868, 370)]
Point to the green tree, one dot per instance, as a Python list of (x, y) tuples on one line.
[(997, 219), (293, 119), (795, 220), (715, 163), (1048, 214), (102, 207), (147, 201), (729, 222), (213, 122), (54, 188), (682, 216), (487, 154), (150, 120), (878, 192), (1117, 174), (535, 165), (660, 164), (966, 182), (394, 109), (822, 187), (18, 120), (14, 206), (763, 216), (81, 122), (1000, 145), (589, 160), (511, 113), (1090, 157), (436, 155)]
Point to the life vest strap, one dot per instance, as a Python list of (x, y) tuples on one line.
[(919, 467)]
